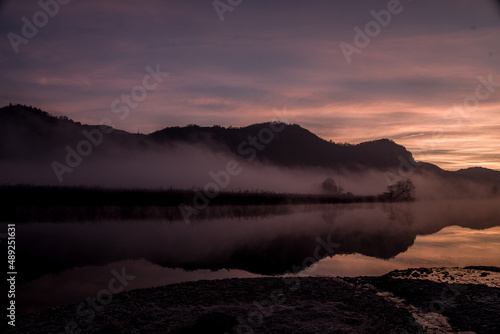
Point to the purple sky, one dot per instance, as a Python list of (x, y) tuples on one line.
[(265, 56)]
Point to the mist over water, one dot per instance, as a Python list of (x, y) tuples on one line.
[(185, 166), (180, 166)]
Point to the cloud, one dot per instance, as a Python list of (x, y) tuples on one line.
[(264, 55)]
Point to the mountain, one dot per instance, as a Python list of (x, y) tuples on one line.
[(481, 173), (28, 134), (292, 146)]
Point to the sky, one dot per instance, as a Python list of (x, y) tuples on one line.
[(423, 73)]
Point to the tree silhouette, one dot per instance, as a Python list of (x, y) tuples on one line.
[(330, 186), (402, 191)]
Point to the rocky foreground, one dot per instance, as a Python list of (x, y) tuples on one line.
[(438, 300)]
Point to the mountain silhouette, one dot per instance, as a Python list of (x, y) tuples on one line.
[(28, 133), (293, 146), (481, 173)]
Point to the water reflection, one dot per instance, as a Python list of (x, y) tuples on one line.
[(377, 235), (452, 246)]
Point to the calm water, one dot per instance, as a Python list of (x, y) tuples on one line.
[(67, 262)]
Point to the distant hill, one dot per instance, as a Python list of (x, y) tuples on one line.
[(28, 133), (31, 132), (293, 146), (481, 173)]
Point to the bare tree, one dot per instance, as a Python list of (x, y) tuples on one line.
[(402, 191)]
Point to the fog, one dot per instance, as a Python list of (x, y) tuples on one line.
[(185, 166)]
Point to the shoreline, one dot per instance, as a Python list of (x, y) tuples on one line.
[(412, 300), (33, 203)]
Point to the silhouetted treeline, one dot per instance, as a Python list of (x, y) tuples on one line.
[(19, 111), (45, 203), (82, 196)]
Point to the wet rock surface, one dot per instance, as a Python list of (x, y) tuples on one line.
[(286, 305), (261, 305), (468, 307)]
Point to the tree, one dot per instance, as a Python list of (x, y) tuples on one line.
[(402, 191), (330, 186)]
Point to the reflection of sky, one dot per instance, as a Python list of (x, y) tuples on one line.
[(92, 249), (266, 55), (453, 246)]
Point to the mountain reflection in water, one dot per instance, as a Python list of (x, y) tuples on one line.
[(369, 239)]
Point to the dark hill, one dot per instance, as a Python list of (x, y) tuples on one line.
[(481, 173), (28, 133), (293, 146)]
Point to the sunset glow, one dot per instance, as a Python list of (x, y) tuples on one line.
[(405, 85)]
